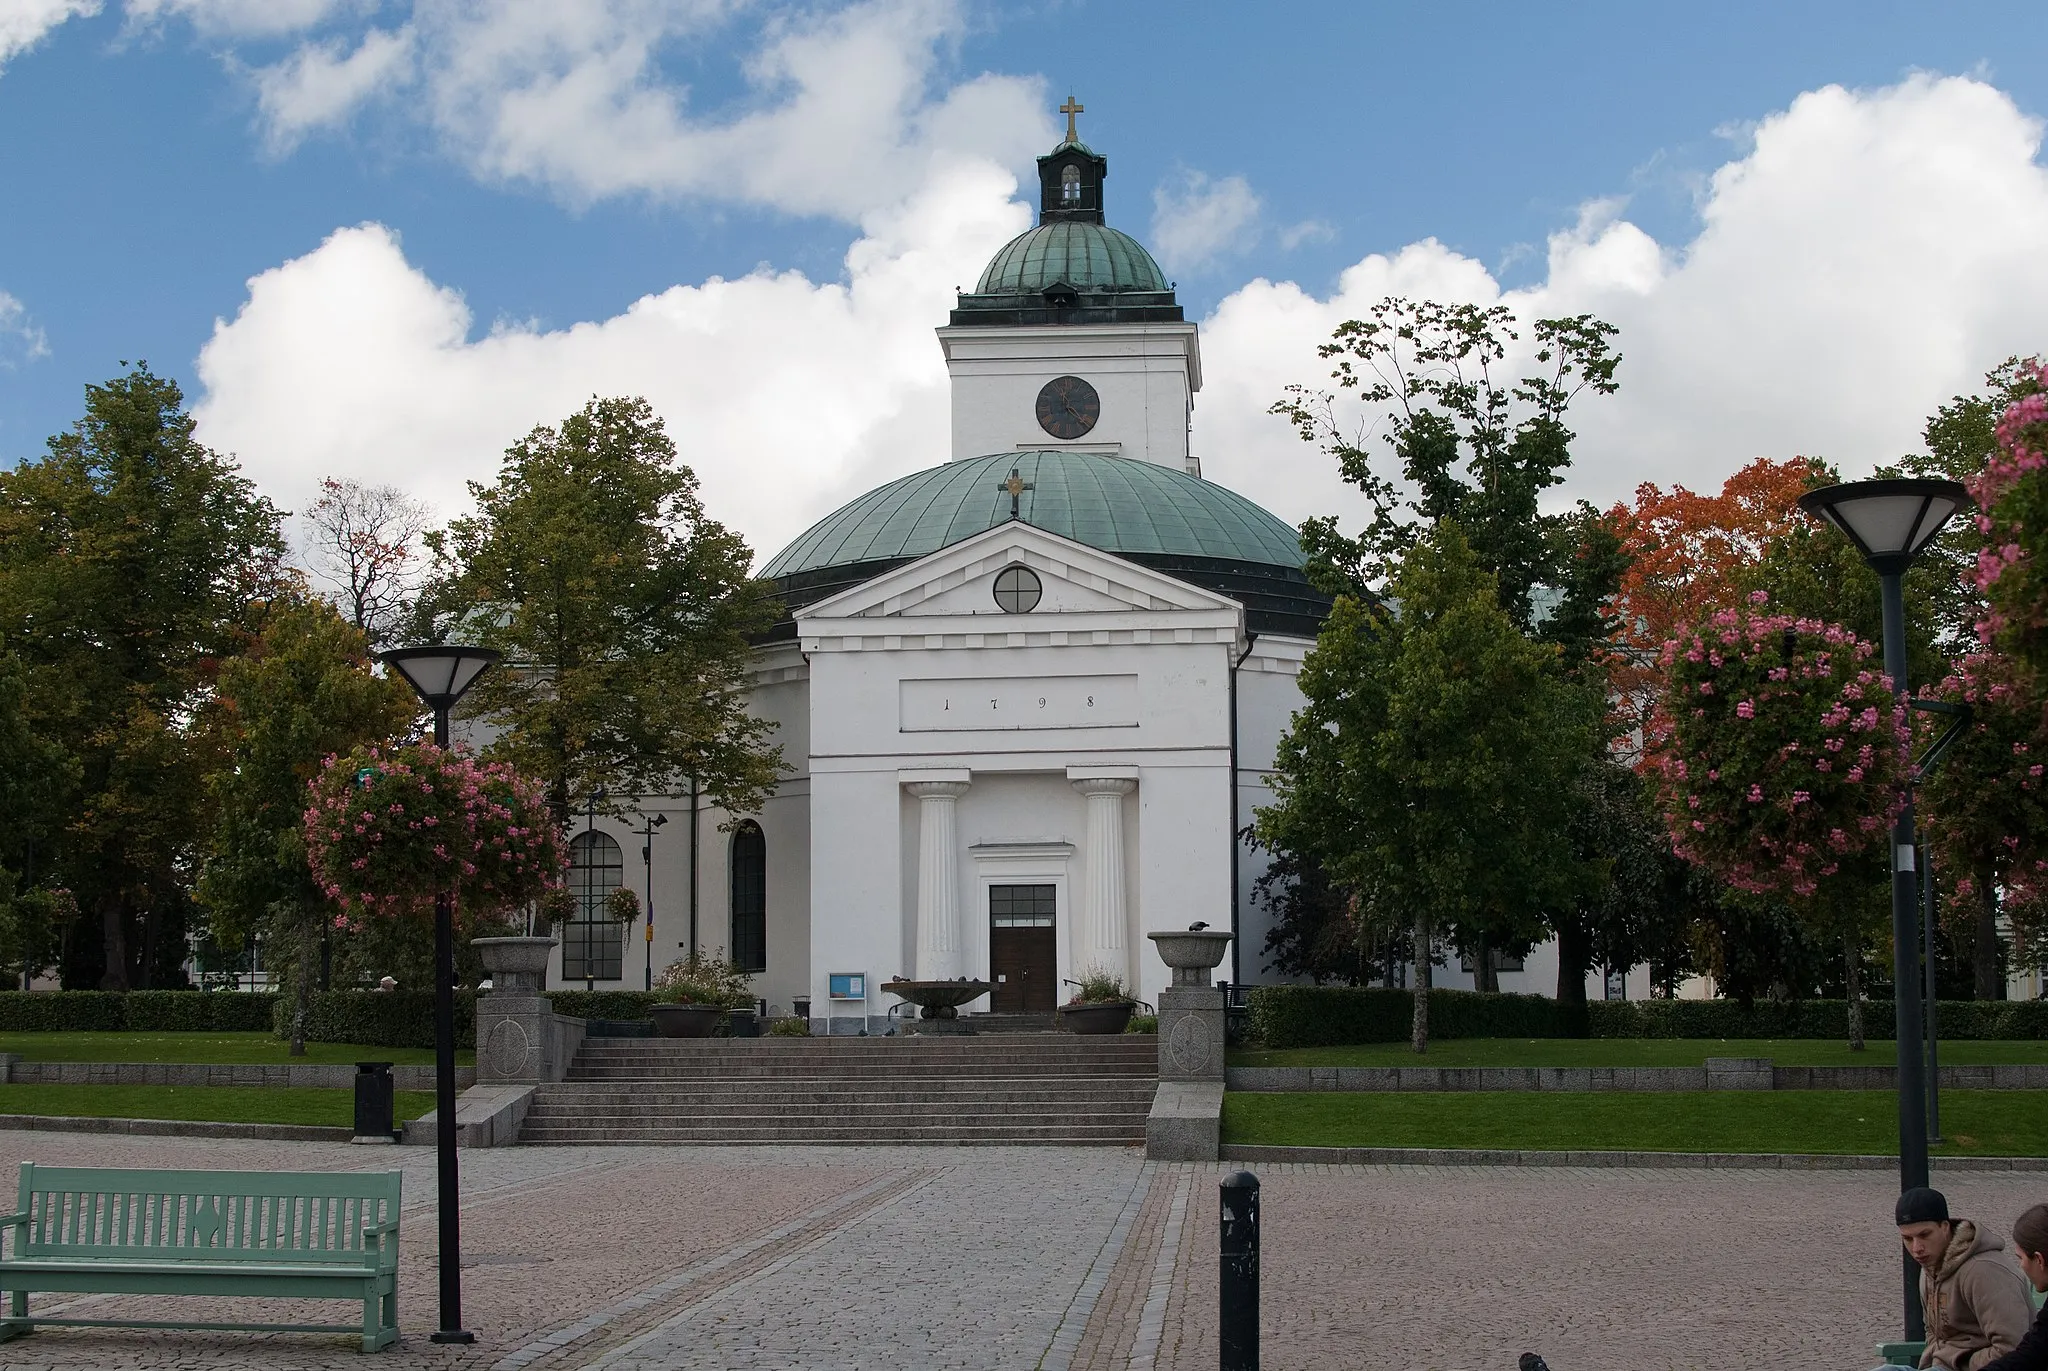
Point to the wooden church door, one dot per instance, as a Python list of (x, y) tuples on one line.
[(1023, 951)]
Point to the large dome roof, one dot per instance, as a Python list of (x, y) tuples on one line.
[(1111, 503), (1083, 255)]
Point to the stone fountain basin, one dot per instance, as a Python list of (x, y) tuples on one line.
[(929, 995)]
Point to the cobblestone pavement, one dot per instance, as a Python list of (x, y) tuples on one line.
[(1071, 1260)]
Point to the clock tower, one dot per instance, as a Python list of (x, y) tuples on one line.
[(1072, 339)]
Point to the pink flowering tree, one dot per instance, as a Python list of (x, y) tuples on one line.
[(387, 828), (1781, 757), (2012, 504), (1982, 812)]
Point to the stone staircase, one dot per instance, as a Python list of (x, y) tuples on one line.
[(1008, 1088)]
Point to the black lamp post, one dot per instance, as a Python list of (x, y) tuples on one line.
[(1891, 522), (653, 822), (441, 675)]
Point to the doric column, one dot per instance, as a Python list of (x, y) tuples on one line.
[(1102, 910), (941, 944)]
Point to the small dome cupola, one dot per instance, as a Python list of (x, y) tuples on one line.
[(1070, 177)]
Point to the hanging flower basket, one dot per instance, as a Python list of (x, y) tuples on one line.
[(622, 905), (1780, 751), (388, 828)]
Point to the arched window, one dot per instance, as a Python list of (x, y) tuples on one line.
[(1070, 186), (593, 944), (749, 897)]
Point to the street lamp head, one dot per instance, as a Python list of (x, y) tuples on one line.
[(1890, 521), (657, 820), (440, 674)]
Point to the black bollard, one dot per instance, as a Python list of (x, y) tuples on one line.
[(1237, 1303)]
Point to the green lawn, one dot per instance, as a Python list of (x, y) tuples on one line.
[(1992, 1123), (1632, 1052), (206, 1048), (221, 1104)]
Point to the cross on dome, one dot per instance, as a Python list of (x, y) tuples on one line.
[(1015, 487), (1070, 109)]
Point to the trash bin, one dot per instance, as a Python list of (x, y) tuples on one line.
[(745, 1024), (374, 1102)]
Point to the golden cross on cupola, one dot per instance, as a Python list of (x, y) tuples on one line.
[(1070, 109), (1015, 487)]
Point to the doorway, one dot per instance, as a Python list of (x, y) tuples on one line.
[(1023, 948)]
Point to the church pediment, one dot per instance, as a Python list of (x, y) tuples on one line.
[(1054, 575)]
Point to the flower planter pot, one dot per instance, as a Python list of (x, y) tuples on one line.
[(687, 1020), (1103, 1016)]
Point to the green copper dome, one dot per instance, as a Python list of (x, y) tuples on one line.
[(1112, 503), (1083, 255)]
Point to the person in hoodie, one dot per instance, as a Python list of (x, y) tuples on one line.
[(2030, 1246), (1971, 1293)]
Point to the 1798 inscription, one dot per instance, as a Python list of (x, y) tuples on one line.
[(1019, 702)]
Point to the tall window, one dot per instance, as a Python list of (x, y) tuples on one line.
[(749, 898), (1070, 186), (594, 944)]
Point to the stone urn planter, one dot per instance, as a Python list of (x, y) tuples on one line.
[(1100, 1016), (1192, 953), (938, 1003), (687, 1020), (516, 965)]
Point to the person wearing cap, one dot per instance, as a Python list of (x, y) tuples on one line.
[(1971, 1293)]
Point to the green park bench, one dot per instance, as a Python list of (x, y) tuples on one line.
[(276, 1234)]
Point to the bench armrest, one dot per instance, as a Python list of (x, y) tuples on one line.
[(18, 1222), (376, 1250)]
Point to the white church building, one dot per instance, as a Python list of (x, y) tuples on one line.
[(1026, 697)]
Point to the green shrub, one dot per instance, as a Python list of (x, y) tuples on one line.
[(791, 1027), (1328, 1016), (377, 1018), (1142, 1023), (135, 1011), (617, 1005), (1324, 1016)]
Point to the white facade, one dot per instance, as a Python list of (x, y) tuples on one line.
[(1145, 374)]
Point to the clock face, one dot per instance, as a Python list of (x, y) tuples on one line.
[(1068, 407)]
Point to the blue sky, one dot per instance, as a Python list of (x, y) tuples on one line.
[(154, 158)]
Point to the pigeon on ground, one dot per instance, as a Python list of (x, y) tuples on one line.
[(1531, 1362)]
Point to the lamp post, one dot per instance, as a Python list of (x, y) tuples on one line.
[(1891, 522), (653, 822), (440, 676)]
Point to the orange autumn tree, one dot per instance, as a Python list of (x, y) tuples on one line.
[(1687, 555)]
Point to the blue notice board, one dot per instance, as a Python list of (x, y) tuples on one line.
[(846, 985)]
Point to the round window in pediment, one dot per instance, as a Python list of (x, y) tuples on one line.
[(1018, 590)]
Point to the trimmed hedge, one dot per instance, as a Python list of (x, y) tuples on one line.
[(377, 1018), (1328, 1016), (135, 1011), (619, 1006), (1325, 1016)]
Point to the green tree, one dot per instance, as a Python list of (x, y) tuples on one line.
[(1636, 911), (1465, 444), (625, 613), (1430, 768), (130, 557), (302, 692), (31, 779)]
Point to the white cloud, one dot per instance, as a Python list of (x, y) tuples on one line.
[(786, 395), (320, 85), (1871, 254), (1868, 255), (1195, 219), (20, 339), (246, 18), (24, 22), (1307, 231), (836, 114)]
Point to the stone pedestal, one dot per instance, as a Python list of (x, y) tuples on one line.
[(1187, 1112), (520, 1040)]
